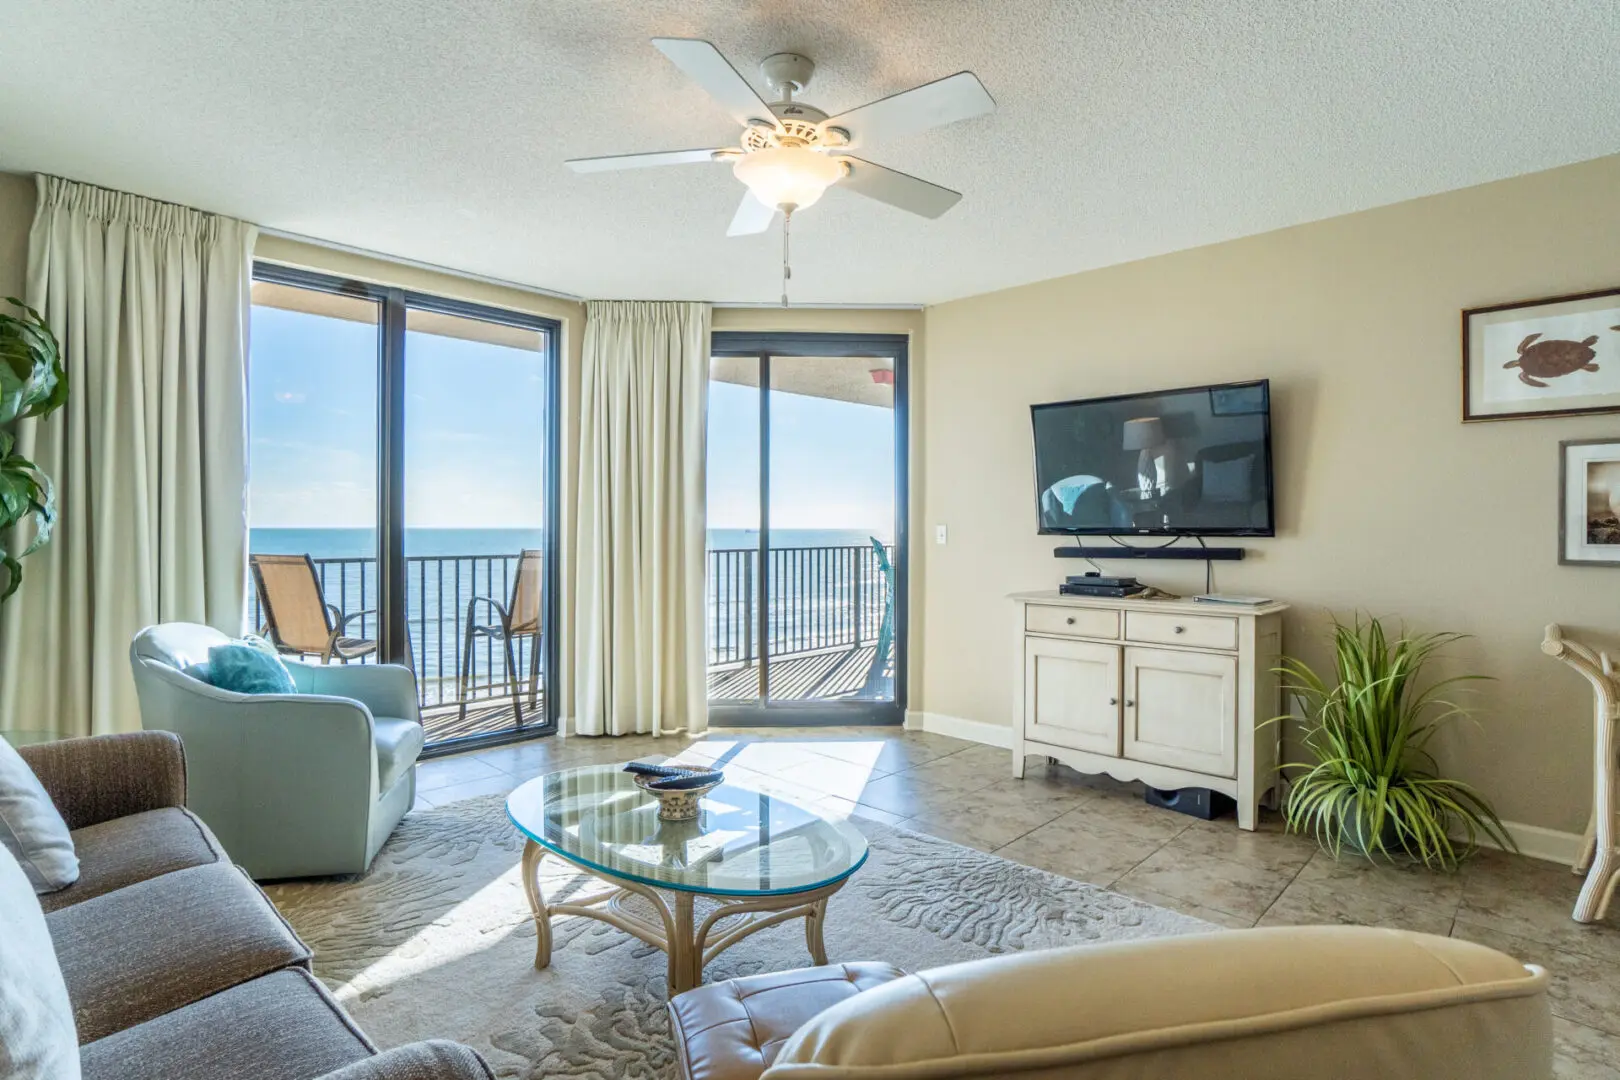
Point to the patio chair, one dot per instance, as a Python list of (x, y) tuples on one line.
[(518, 618), (874, 684), (297, 618)]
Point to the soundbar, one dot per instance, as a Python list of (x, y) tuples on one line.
[(1116, 551)]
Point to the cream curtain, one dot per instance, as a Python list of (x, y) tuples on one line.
[(638, 627), (150, 302)]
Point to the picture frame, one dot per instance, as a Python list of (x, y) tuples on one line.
[(1552, 356), (1589, 502)]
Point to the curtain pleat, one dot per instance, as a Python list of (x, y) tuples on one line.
[(150, 302), (639, 657)]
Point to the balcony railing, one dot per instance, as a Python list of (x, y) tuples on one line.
[(821, 599)]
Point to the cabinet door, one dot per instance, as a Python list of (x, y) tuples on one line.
[(1071, 694), (1181, 709)]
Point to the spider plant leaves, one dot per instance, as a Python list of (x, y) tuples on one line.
[(1371, 782)]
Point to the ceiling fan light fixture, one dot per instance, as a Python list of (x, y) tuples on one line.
[(788, 175)]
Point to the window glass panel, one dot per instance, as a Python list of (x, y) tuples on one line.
[(733, 529), (312, 465)]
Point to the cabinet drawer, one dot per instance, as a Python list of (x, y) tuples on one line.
[(1198, 631), (1081, 622)]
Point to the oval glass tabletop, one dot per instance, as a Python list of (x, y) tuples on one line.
[(743, 843)]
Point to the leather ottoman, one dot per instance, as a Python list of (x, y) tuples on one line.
[(733, 1030)]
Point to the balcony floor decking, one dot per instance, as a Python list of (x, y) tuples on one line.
[(830, 675)]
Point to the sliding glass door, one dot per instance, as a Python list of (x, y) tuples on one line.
[(402, 489), (806, 528)]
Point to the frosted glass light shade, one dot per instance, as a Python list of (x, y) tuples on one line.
[(787, 175), (1143, 434)]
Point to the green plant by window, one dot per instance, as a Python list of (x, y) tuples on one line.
[(1372, 783), (32, 384)]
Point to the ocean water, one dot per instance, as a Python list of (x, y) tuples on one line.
[(362, 543), (819, 597)]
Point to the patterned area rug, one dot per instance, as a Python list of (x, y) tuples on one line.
[(436, 941)]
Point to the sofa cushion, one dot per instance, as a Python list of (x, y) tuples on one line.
[(204, 929), (31, 828), (37, 1041), (120, 852), (282, 1026), (398, 744), (733, 1030)]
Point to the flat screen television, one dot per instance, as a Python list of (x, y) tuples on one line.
[(1193, 462)]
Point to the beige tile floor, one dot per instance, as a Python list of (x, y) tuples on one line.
[(1098, 830)]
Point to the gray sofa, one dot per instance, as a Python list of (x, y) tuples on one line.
[(296, 785), (176, 965)]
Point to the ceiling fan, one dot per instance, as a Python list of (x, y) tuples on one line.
[(790, 152)]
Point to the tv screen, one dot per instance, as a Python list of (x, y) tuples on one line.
[(1193, 462)]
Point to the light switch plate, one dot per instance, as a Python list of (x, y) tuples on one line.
[(939, 534)]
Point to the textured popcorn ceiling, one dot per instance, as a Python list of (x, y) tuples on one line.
[(436, 129)]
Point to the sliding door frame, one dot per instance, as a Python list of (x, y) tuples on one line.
[(394, 306), (761, 346)]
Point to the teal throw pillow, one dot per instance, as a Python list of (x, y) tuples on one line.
[(245, 669)]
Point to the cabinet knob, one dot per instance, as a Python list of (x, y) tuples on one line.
[(1070, 620), (1113, 701), (1130, 704), (1181, 629)]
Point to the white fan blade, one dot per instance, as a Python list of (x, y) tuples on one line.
[(944, 101), (705, 66), (752, 217), (640, 161), (898, 189)]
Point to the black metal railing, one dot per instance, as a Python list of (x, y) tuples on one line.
[(437, 588), (819, 598)]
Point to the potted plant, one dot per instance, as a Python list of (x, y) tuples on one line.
[(32, 384), (1371, 783)]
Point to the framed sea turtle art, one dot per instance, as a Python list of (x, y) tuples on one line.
[(1557, 356), (1589, 502)]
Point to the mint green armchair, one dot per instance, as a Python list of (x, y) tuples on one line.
[(294, 785)]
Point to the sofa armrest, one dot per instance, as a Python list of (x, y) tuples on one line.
[(435, 1059), (1372, 1003), (102, 777), (385, 689)]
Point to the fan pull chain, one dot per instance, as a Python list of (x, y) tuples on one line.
[(787, 269)]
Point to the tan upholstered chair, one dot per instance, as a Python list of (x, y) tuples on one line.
[(1284, 1003), (297, 617), (1599, 859), (517, 619)]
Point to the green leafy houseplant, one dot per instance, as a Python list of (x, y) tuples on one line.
[(32, 383), (1372, 783)]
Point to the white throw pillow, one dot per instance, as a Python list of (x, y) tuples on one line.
[(38, 1040), (30, 827)]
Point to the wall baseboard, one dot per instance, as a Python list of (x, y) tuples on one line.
[(1534, 841), (1542, 843), (960, 728)]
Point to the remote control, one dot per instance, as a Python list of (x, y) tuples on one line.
[(682, 783), (643, 768)]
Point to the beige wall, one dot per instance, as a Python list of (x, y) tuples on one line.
[(1387, 503), (16, 215)]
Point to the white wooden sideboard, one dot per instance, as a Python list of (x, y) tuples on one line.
[(1169, 692)]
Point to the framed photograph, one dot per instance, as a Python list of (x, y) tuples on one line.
[(1589, 502), (1559, 356)]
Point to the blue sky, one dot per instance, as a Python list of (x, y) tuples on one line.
[(474, 438)]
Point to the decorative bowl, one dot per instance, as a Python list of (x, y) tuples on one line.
[(683, 804)]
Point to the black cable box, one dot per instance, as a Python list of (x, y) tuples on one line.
[(1117, 591), (1098, 579)]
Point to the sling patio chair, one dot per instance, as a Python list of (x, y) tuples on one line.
[(879, 684), (297, 618), (518, 618)]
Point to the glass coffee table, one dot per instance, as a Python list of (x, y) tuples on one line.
[(755, 859)]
